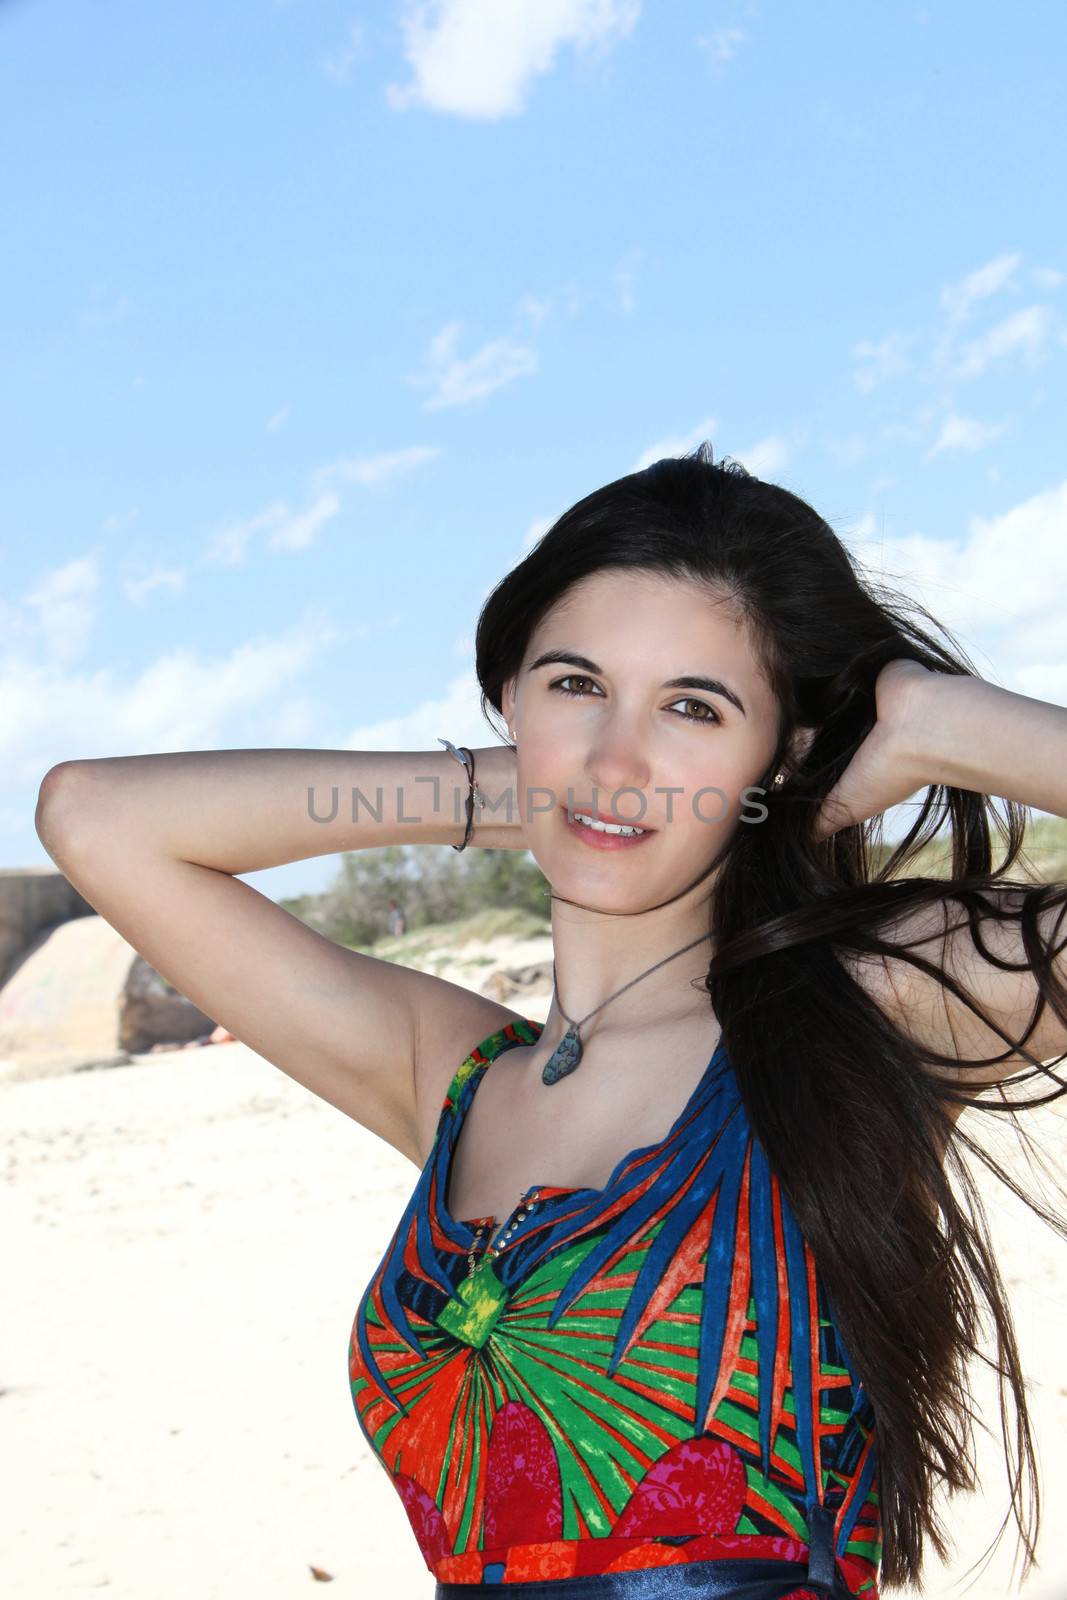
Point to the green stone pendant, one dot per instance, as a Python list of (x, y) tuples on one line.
[(472, 1313), (564, 1058)]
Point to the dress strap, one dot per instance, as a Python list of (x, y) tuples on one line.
[(821, 1562), (461, 1090)]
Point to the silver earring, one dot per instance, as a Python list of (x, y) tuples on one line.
[(779, 777)]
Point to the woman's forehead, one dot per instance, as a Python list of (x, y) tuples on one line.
[(603, 610)]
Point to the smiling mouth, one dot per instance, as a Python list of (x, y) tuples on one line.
[(602, 825)]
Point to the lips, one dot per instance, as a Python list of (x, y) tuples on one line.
[(596, 839), (606, 816)]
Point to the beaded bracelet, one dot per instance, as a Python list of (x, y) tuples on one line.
[(466, 759)]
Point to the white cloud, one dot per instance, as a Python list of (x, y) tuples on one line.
[(64, 606), (1047, 277), (477, 58), (765, 458), (1026, 332), (172, 578), (455, 714), (848, 450), (676, 444), (965, 433), (230, 544), (339, 65), (888, 357), (999, 588), (297, 720), (535, 307), (182, 700), (1043, 680), (950, 358), (883, 359), (296, 533), (957, 299), (119, 520), (372, 470), (624, 279), (913, 432), (456, 380), (722, 44), (288, 530), (278, 419), (193, 696)]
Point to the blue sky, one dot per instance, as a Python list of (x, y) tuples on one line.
[(315, 316)]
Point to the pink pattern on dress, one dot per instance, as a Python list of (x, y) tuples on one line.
[(699, 1486), (427, 1523), (523, 1492)]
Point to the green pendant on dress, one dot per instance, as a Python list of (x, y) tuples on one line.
[(473, 1312), (564, 1058)]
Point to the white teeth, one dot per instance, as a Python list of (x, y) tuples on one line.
[(607, 827)]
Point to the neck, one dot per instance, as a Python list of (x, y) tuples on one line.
[(595, 956)]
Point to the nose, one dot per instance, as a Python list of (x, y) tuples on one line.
[(616, 761)]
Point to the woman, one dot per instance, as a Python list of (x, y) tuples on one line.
[(727, 1359)]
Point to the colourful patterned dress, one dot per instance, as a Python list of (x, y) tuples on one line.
[(646, 1374)]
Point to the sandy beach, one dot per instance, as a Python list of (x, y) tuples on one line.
[(186, 1240)]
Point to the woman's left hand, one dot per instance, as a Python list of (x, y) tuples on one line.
[(884, 770)]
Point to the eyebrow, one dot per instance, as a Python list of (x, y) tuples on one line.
[(690, 681)]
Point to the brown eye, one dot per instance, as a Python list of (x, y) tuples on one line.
[(712, 714), (571, 678), (706, 713)]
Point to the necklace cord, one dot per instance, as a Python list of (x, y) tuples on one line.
[(625, 986)]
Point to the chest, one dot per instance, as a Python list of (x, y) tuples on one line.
[(627, 1092)]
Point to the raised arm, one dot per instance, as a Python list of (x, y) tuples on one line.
[(154, 844)]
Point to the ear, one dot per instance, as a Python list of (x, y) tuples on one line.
[(507, 701)]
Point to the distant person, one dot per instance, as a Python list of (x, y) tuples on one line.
[(396, 919)]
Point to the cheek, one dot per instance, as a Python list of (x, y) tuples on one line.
[(539, 786), (547, 764), (712, 789)]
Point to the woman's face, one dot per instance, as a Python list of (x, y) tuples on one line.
[(671, 758)]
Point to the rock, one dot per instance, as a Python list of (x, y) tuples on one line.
[(508, 981), (81, 997), (152, 1011), (121, 1058)]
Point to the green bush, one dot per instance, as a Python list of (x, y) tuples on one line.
[(434, 886)]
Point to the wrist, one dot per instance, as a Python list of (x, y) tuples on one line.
[(498, 820), (935, 730)]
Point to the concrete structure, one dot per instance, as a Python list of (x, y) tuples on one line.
[(75, 994), (32, 898)]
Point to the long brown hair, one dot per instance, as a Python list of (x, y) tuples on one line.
[(844, 1103)]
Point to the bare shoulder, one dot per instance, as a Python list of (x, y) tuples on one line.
[(450, 1022), (988, 962)]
